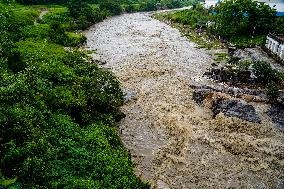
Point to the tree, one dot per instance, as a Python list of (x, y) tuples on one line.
[(112, 6), (243, 17)]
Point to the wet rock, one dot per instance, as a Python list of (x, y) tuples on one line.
[(280, 98), (231, 50), (200, 94), (230, 107), (99, 62), (235, 108), (230, 74), (276, 113), (214, 64)]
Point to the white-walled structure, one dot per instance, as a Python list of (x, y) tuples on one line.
[(275, 43)]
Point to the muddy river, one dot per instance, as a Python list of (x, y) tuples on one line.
[(173, 142)]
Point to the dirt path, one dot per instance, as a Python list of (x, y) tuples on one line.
[(173, 142)]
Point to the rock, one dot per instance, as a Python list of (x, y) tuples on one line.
[(200, 94), (230, 74), (280, 98), (98, 62), (276, 113), (230, 107), (244, 76), (235, 108), (214, 64), (231, 50)]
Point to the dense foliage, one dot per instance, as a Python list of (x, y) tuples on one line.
[(243, 17), (278, 26), (196, 18), (117, 6), (241, 22), (57, 110), (263, 71)]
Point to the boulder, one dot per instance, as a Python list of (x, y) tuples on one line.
[(200, 94), (280, 98), (235, 108), (276, 113)]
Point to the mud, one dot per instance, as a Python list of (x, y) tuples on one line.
[(173, 142)]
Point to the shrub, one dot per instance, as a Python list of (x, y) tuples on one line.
[(196, 18), (280, 76), (56, 33), (57, 14), (75, 39), (272, 90), (263, 71), (40, 31), (84, 15), (112, 6)]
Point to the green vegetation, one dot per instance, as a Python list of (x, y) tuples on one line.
[(244, 23), (151, 5), (263, 71), (272, 91), (222, 56), (273, 79), (192, 23), (279, 25), (58, 112)]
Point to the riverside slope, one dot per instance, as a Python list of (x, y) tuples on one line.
[(173, 142)]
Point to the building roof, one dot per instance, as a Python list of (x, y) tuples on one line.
[(281, 37), (277, 37)]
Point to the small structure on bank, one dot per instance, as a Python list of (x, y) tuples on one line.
[(275, 43)]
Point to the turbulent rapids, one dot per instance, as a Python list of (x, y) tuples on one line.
[(173, 142)]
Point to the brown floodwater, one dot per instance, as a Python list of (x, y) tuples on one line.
[(173, 142)]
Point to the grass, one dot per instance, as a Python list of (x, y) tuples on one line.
[(220, 57)]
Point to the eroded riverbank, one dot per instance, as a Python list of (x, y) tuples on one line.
[(174, 142)]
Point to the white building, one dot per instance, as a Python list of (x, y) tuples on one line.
[(275, 43)]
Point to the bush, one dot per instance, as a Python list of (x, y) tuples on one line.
[(39, 31), (196, 18), (57, 14), (263, 71), (75, 39), (84, 15), (170, 4), (280, 76), (56, 33), (112, 6), (279, 25), (272, 90)]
